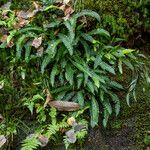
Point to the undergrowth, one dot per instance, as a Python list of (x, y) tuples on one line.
[(51, 49)]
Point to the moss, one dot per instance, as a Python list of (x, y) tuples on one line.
[(120, 17), (139, 117)]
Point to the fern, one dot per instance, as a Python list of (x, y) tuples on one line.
[(80, 98), (30, 143), (53, 74), (69, 74), (70, 29), (87, 13), (94, 112), (66, 41)]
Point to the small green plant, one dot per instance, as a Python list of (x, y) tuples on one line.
[(75, 63)]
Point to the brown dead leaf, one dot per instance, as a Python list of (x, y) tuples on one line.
[(48, 98), (36, 5), (43, 140), (71, 121), (64, 105), (2, 140), (71, 136), (22, 14), (68, 11), (40, 51), (32, 13), (1, 119), (21, 23), (3, 31), (6, 6), (37, 42), (66, 1), (3, 38), (10, 44), (62, 7)]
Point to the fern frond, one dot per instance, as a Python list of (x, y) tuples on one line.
[(53, 74), (70, 29), (45, 62), (80, 98), (69, 74), (66, 41), (87, 13), (20, 42), (94, 112), (27, 51), (30, 143), (52, 47), (106, 116)]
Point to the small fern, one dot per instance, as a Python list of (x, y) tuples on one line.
[(30, 143)]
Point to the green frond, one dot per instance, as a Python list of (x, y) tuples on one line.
[(30, 143), (94, 112), (53, 74), (66, 41), (87, 13)]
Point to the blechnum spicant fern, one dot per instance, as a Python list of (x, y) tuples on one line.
[(82, 65)]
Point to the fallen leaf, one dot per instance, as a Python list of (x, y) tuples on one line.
[(66, 1), (6, 6), (22, 14), (68, 10), (71, 121), (3, 38), (36, 5), (62, 7), (71, 136), (64, 105), (40, 51), (37, 42), (21, 23), (31, 14), (1, 119), (59, 1), (10, 44), (48, 98), (78, 127), (2, 140), (4, 31), (43, 140)]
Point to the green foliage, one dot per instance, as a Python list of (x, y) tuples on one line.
[(30, 143), (73, 62)]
